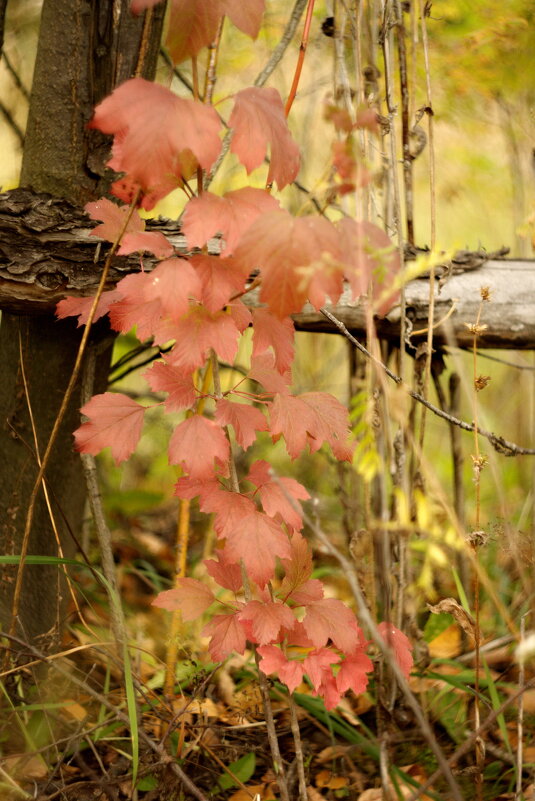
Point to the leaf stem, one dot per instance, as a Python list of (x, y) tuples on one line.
[(301, 57)]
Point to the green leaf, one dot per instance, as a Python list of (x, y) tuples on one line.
[(147, 783), (242, 769), (436, 624)]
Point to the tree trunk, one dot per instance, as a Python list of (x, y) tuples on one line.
[(86, 48)]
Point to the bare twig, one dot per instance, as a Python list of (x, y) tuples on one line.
[(303, 796), (498, 443), (282, 46)]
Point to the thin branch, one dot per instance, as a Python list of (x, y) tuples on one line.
[(301, 58), (282, 46), (500, 444), (17, 130), (14, 74)]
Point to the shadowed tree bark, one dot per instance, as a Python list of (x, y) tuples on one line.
[(86, 48)]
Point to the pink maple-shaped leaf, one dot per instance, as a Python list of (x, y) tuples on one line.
[(290, 671), (257, 120), (220, 279), (190, 596), (317, 662), (192, 26), (258, 540), (279, 496), (188, 487), (294, 419), (240, 314), (245, 420), (134, 308), (173, 282), (371, 261), (264, 372), (353, 673), (115, 421), (228, 509), (228, 636), (329, 618), (288, 250), (195, 333), (331, 424), (400, 644), (245, 16), (146, 241), (297, 567), (153, 128), (271, 332), (267, 619), (113, 218), (195, 443), (329, 691), (230, 215), (226, 574), (164, 377), (80, 307)]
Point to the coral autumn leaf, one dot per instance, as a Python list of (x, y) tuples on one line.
[(353, 673), (287, 670), (146, 241), (257, 540), (152, 128), (332, 424), (190, 596), (195, 443), (220, 279), (164, 377), (271, 332), (80, 307), (226, 574), (263, 371), (115, 421), (245, 420), (245, 16), (113, 219), (289, 250), (329, 618), (280, 496), (317, 662), (193, 25), (298, 567), (173, 282), (257, 120), (292, 418), (228, 509), (229, 215), (195, 333), (228, 636), (267, 617), (400, 644)]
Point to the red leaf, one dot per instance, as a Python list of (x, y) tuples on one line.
[(257, 120), (370, 256), (191, 596), (257, 540), (400, 644), (163, 377), (152, 129), (113, 218), (195, 333), (134, 309), (319, 662), (226, 574), (228, 636), (240, 314), (229, 215), (271, 332), (276, 495), (195, 443), (152, 242), (312, 418), (274, 661), (329, 618), (228, 507), (289, 251), (220, 279), (115, 421), (245, 420), (353, 673), (80, 307), (267, 618), (298, 567), (192, 26), (173, 282), (245, 16), (262, 370)]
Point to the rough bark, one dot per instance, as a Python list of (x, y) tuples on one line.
[(86, 47)]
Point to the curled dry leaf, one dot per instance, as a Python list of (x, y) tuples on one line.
[(451, 607)]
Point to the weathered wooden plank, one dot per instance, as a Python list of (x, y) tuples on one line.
[(46, 253)]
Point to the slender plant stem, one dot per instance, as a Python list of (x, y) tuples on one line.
[(301, 58), (211, 69), (103, 532), (294, 722), (499, 443)]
